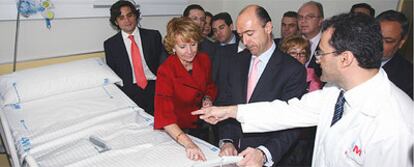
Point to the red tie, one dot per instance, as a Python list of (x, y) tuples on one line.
[(137, 62)]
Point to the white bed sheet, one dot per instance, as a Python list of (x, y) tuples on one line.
[(55, 131)]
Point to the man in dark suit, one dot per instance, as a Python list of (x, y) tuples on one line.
[(310, 18), (394, 29), (222, 58), (118, 48), (259, 73), (197, 14), (227, 43)]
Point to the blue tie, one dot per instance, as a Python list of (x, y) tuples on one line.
[(339, 108)]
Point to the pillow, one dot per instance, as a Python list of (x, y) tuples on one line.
[(26, 85)]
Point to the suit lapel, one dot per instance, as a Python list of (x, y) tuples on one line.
[(268, 76), (244, 72), (312, 62), (145, 45), (390, 64), (314, 65), (123, 58)]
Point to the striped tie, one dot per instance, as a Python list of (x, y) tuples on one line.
[(339, 108)]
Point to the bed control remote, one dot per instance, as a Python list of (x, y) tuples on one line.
[(102, 147)]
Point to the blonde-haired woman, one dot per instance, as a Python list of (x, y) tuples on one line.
[(183, 85), (299, 48)]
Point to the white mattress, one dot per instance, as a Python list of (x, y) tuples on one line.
[(56, 131)]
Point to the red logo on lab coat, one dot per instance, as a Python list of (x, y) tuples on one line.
[(357, 150)]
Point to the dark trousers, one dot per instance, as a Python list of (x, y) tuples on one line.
[(203, 131), (300, 155), (144, 98)]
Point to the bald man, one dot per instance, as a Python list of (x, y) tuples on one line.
[(259, 73)]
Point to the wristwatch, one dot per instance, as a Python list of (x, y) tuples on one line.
[(224, 141)]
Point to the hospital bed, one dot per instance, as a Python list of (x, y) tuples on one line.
[(73, 114)]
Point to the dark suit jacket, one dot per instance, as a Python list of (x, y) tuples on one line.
[(117, 57), (283, 78), (314, 65), (400, 72), (223, 57), (208, 47), (178, 93), (278, 41)]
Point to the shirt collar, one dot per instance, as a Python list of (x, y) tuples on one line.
[(125, 35), (315, 40), (232, 40), (265, 56), (385, 62), (240, 47), (359, 95)]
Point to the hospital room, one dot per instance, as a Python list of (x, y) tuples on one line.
[(206, 83)]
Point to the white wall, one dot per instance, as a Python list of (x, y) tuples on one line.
[(76, 36), (66, 37), (276, 8)]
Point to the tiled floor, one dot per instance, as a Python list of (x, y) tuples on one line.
[(3, 161)]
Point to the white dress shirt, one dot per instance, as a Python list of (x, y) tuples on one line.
[(240, 46), (263, 60), (385, 62), (375, 130), (148, 74)]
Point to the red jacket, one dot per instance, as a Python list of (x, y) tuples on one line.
[(178, 93)]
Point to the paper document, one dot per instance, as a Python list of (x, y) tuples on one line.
[(222, 161)]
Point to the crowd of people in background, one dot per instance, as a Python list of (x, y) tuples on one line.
[(208, 59)]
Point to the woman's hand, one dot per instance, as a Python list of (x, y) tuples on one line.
[(194, 153)]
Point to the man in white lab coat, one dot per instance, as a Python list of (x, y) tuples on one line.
[(362, 118)]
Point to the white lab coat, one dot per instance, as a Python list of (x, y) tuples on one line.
[(375, 130)]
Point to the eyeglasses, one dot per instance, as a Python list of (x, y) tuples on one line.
[(298, 54), (320, 53), (307, 17)]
